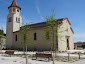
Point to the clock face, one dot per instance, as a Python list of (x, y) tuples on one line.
[(17, 10)]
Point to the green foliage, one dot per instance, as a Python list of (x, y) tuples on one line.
[(2, 32), (47, 35), (53, 27), (53, 24), (23, 33), (51, 21)]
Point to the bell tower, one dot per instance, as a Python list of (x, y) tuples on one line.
[(14, 22)]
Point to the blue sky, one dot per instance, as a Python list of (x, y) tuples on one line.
[(34, 11)]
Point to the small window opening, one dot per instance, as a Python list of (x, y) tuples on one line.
[(35, 36)]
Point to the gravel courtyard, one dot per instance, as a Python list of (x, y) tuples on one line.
[(4, 59)]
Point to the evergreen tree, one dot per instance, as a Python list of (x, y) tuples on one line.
[(2, 32)]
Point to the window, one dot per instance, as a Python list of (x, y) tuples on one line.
[(13, 9), (17, 10), (16, 18), (10, 19), (35, 36), (16, 38), (67, 29)]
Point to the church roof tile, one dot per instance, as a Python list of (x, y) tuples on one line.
[(14, 4)]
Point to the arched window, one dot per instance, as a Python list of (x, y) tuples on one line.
[(35, 36), (18, 19), (16, 38), (13, 9)]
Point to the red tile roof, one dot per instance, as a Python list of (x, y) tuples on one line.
[(72, 30), (58, 25), (67, 20), (14, 4)]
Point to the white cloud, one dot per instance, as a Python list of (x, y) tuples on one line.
[(38, 9)]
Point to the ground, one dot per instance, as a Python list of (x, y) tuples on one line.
[(6, 59), (20, 60)]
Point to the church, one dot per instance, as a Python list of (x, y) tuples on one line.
[(38, 43)]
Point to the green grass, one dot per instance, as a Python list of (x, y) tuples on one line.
[(65, 59)]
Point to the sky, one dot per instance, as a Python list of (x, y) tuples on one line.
[(34, 11)]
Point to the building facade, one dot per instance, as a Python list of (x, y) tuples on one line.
[(14, 22), (79, 45), (36, 34)]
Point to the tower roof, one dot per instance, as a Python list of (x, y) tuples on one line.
[(14, 4)]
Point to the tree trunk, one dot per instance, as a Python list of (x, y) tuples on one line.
[(23, 50), (56, 44), (79, 55), (53, 45), (68, 56), (53, 59), (26, 59), (55, 51), (51, 49), (26, 49), (26, 55)]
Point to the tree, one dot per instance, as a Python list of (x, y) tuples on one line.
[(23, 32), (53, 27), (2, 32)]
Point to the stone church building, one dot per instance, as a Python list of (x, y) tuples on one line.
[(36, 35)]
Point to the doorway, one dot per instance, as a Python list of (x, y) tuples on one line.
[(68, 44)]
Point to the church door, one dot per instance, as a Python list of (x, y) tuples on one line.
[(68, 44)]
